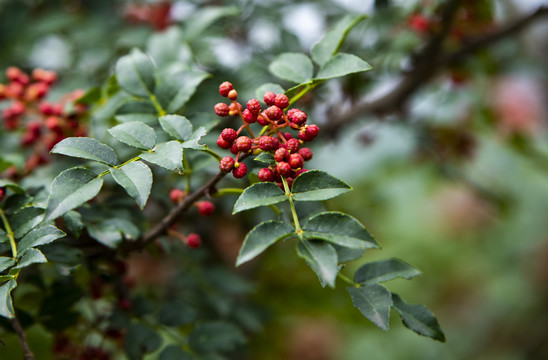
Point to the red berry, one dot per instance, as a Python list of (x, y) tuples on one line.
[(176, 196), (296, 116), (309, 132), (13, 73), (223, 144), (193, 240), (205, 208), (2, 193), (306, 153), (268, 143), (53, 123), (28, 138), (226, 164), (296, 161), (274, 113), (269, 98), (265, 174), (221, 109), (17, 108), (290, 181), (225, 88), (14, 90), (234, 109), (263, 121), (281, 154), (234, 149), (229, 134), (124, 304), (249, 117), (292, 145), (243, 143), (233, 95), (240, 171), (254, 106), (299, 172), (45, 108), (281, 101), (283, 168), (34, 127), (287, 136), (419, 23)]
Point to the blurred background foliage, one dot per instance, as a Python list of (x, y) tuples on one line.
[(454, 181)]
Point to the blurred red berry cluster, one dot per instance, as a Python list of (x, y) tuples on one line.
[(286, 148), (41, 124)]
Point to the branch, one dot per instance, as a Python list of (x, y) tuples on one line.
[(27, 353), (429, 62)]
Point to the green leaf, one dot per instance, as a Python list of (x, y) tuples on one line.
[(6, 305), (70, 189), (322, 258), (73, 222), (316, 185), (348, 254), (175, 90), (136, 134), (110, 232), (203, 19), (261, 237), (384, 270), (192, 142), (266, 158), (179, 127), (418, 318), (215, 336), (259, 194), (141, 117), (16, 202), (25, 220), (135, 73), (141, 340), (275, 88), (294, 67), (31, 256), (177, 313), (331, 42), (174, 352), (12, 186), (373, 301), (342, 64), (6, 262), (86, 148), (91, 96), (37, 237), (168, 155), (136, 178), (340, 229)]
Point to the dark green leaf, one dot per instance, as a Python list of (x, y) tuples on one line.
[(347, 254), (31, 256), (174, 352), (322, 258), (261, 237), (175, 90), (340, 229), (294, 67), (192, 143), (275, 88), (6, 262), (168, 155), (141, 340), (16, 202), (141, 117), (266, 158), (342, 64), (110, 232), (135, 73), (385, 270), (62, 253), (70, 189), (373, 301), (6, 305), (418, 318), (331, 42), (136, 178), (203, 19), (12, 186), (259, 194), (316, 185), (73, 222), (179, 127), (86, 148), (177, 313), (215, 336), (25, 220), (37, 237), (91, 96), (136, 134)]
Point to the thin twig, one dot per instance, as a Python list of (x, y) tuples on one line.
[(27, 353)]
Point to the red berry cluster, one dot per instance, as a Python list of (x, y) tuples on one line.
[(44, 124), (274, 117)]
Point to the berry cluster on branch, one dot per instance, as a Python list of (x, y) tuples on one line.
[(277, 120)]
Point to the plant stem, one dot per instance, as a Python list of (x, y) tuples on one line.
[(9, 232), (288, 193), (27, 353), (213, 153), (187, 171), (159, 109), (228, 191), (346, 279)]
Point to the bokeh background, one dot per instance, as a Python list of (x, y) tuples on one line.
[(455, 181)]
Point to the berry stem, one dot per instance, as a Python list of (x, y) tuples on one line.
[(207, 150), (346, 279), (228, 191), (298, 229), (9, 233), (301, 93)]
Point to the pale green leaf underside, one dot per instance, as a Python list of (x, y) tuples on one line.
[(86, 148), (136, 178), (322, 258), (261, 237), (374, 302), (259, 194), (135, 134), (294, 67)]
